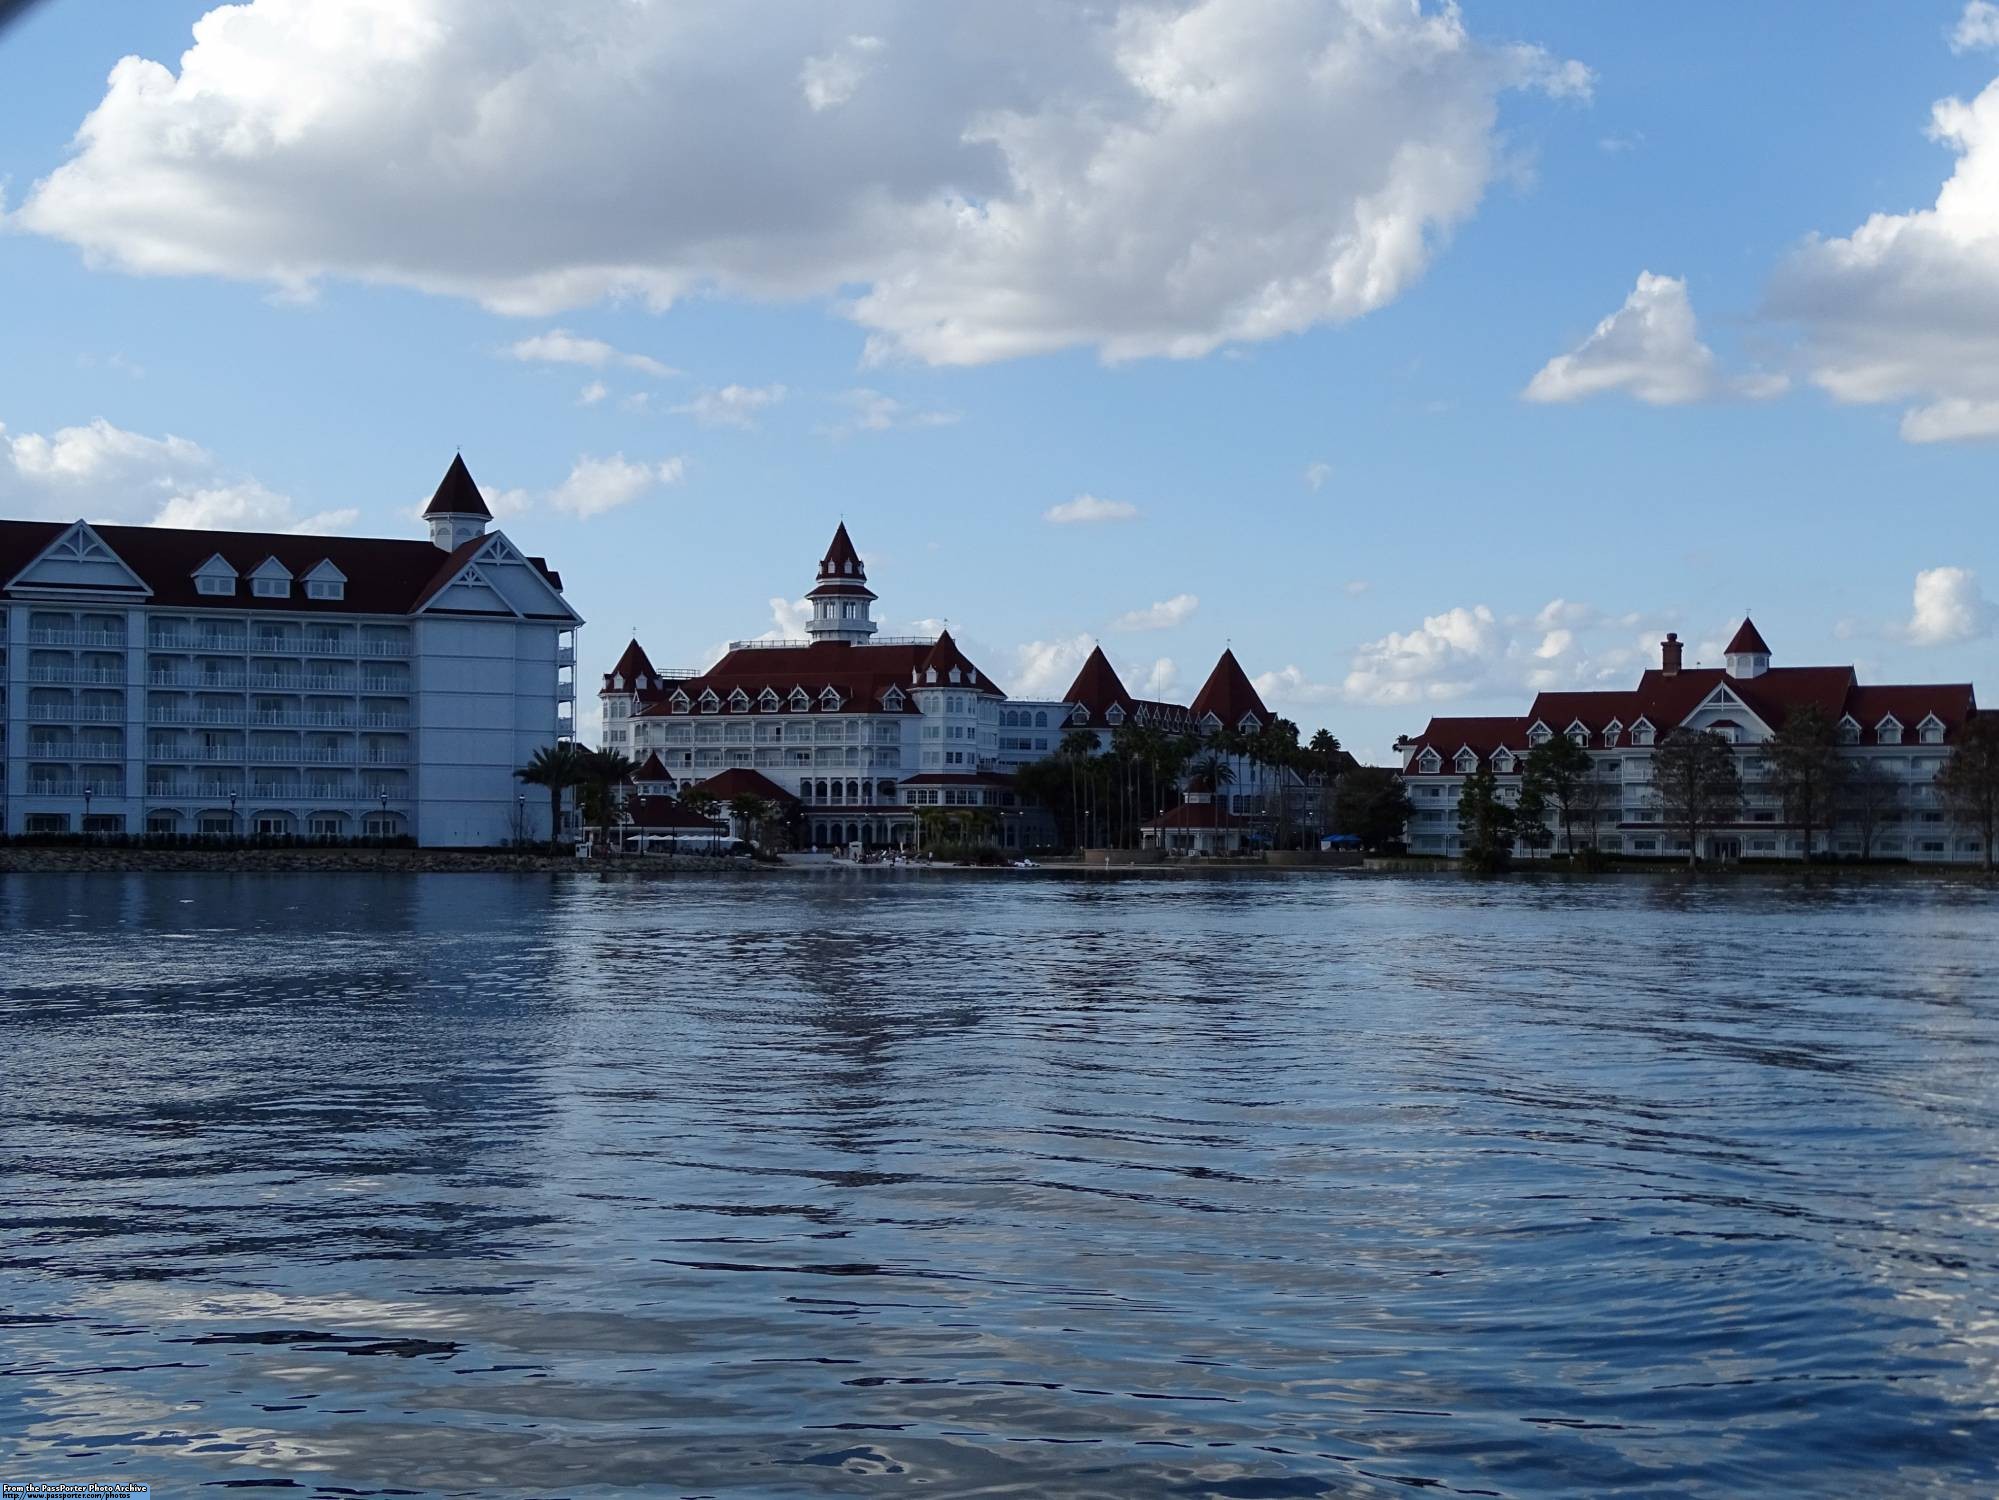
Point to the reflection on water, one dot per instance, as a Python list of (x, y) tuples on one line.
[(1248, 1187)]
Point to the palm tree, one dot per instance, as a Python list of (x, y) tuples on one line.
[(557, 767), (603, 772), (1076, 747)]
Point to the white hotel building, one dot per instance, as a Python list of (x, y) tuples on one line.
[(862, 734), (1904, 732), (223, 683)]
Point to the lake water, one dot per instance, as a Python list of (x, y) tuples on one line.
[(924, 1185)]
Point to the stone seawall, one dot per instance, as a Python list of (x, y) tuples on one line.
[(28, 859)]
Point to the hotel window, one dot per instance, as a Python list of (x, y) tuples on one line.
[(1933, 734), (271, 588), (161, 822), (215, 585), (325, 588), (1889, 732), (47, 823)]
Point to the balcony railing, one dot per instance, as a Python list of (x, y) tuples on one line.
[(66, 788), (49, 713), (92, 638), (83, 675), (279, 645)]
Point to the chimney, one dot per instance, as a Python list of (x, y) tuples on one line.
[(1669, 654)]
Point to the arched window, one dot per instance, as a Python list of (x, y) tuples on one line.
[(1041, 721)]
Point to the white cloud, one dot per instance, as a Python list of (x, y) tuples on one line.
[(560, 347), (1317, 474), (789, 617), (104, 473), (592, 393), (1087, 510), (1906, 308), (1041, 669), (875, 412), (1292, 685), (1649, 348), (1977, 28), (1472, 651), (1357, 586), (1158, 680), (976, 182), (1948, 607), (596, 485), (830, 79), (1445, 657), (1161, 616), (732, 405)]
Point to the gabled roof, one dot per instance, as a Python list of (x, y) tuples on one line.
[(1197, 815), (861, 674), (652, 769), (739, 781), (1747, 640), (1482, 736), (384, 576), (456, 494), (944, 656), (633, 665), (1228, 694)]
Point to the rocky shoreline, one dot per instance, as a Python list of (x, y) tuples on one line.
[(30, 859)]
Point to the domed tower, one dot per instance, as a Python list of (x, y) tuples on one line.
[(457, 512), (841, 597)]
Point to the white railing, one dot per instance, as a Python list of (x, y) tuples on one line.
[(43, 713), (75, 788), (194, 753), (194, 680), (76, 638), (76, 674)]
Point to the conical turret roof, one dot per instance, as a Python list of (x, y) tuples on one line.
[(1229, 695), (456, 494), (1746, 641)]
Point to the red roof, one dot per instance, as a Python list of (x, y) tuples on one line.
[(1197, 815), (966, 778), (384, 576), (652, 769), (1747, 640), (456, 494), (664, 815), (739, 781), (1098, 688), (841, 560), (1229, 695), (861, 674), (1482, 735), (633, 665)]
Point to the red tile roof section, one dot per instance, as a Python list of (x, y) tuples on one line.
[(1228, 695), (841, 560), (1747, 639), (739, 781), (861, 675), (633, 665), (456, 494)]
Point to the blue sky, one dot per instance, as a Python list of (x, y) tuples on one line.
[(321, 270)]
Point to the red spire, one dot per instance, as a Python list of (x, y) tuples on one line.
[(456, 494), (632, 666), (1228, 694), (1097, 685), (841, 560), (1747, 641)]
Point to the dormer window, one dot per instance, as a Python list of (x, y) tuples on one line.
[(739, 702), (1113, 715), (710, 703), (215, 586), (767, 701), (929, 674), (1429, 762), (679, 702), (271, 579), (1540, 734), (1888, 731), (1931, 730), (1466, 762), (1612, 733), (800, 700), (1641, 732), (215, 578), (1079, 714), (639, 682), (955, 675), (1849, 731), (893, 700), (829, 699), (326, 582), (1502, 762)]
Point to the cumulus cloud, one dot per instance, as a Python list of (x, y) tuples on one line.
[(1161, 616), (1357, 586), (1473, 651), (789, 617), (592, 393), (102, 472), (830, 79), (1292, 685), (1650, 348), (1977, 28), (1905, 309), (1317, 474), (1087, 510), (596, 485), (874, 412), (971, 182), (560, 347), (1042, 669), (1948, 608), (732, 405)]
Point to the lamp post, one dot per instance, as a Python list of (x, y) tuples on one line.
[(232, 815), (86, 808), (520, 817), (382, 795)]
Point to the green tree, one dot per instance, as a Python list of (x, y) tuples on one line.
[(754, 813), (1076, 748), (1487, 823), (602, 773), (1212, 767), (1866, 795), (1556, 774), (1807, 769), (1698, 785), (703, 804), (1530, 816), (557, 767), (1373, 805), (1969, 780)]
